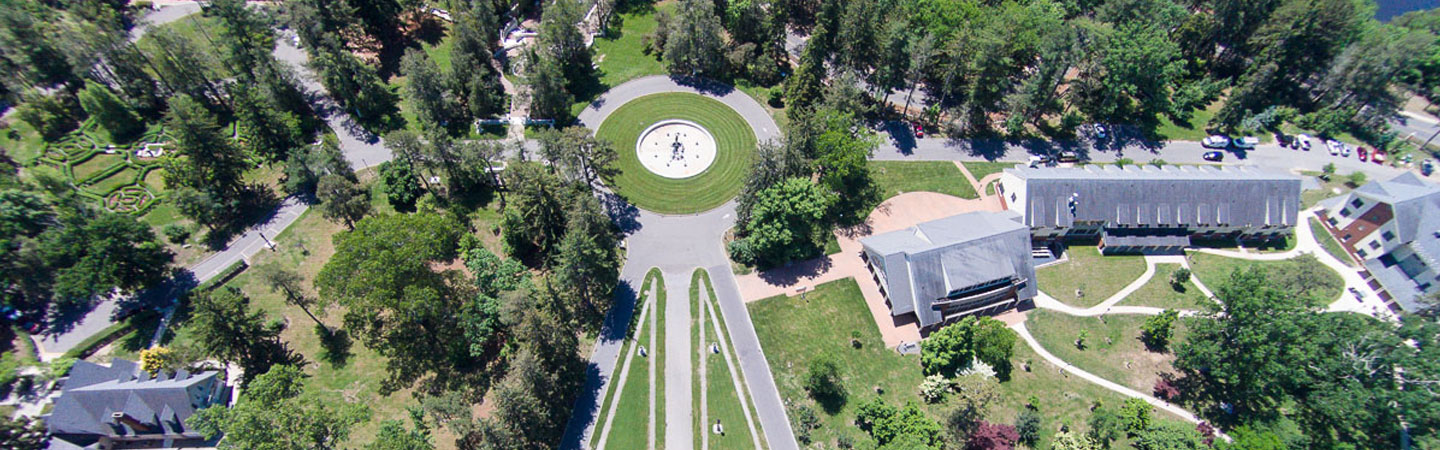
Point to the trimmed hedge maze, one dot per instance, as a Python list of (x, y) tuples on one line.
[(111, 175)]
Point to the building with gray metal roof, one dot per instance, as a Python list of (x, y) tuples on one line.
[(103, 407), (1393, 228), (1143, 209), (948, 268)]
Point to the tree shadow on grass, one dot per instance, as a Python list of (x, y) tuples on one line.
[(334, 345)]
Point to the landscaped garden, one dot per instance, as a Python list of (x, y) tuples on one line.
[(1093, 276), (1303, 275), (1163, 292), (734, 141), (722, 401), (629, 426), (899, 177)]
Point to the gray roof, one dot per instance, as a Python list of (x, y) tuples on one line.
[(1416, 207), (93, 392), (1399, 285), (926, 262), (1168, 196)]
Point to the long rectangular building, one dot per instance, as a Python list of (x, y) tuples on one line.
[(1144, 209)]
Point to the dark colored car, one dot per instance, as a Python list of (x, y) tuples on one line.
[(1213, 156), (1069, 157), (1363, 153)]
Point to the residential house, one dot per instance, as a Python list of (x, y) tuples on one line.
[(120, 406)]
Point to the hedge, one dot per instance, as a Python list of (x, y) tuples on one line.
[(110, 334)]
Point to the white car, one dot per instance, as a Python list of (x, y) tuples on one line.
[(1334, 146), (1215, 141), (1247, 142), (1303, 142)]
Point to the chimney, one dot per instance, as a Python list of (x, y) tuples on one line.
[(121, 417)]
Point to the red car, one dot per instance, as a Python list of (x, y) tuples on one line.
[(919, 131), (1364, 153)]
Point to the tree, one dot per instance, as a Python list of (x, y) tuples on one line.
[(823, 382), (277, 413), (47, 114), (203, 157), (477, 83), (90, 253), (1180, 276), (587, 265), (155, 359), (25, 433), (992, 436), (394, 436), (534, 222), (291, 284), (581, 156), (226, 328), (1130, 74), (1169, 435), (246, 36), (342, 199), (786, 222), (975, 394), (773, 164), (562, 42), (1066, 440), (109, 112), (270, 132), (947, 351), (185, 68), (356, 85), (400, 184), (888, 424), (1106, 426), (549, 97), (397, 303), (426, 88), (304, 168), (1135, 416), (1157, 329), (693, 41), (1027, 427)]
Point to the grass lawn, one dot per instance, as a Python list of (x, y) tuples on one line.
[(124, 177), (980, 170), (1160, 293), (1329, 243), (620, 55), (761, 94), (1215, 270), (898, 177), (1057, 333), (21, 142), (200, 31), (793, 331), (1335, 187), (721, 398), (735, 144), (1193, 130), (96, 163), (631, 422), (1097, 276)]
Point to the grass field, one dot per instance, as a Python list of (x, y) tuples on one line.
[(1335, 187), (630, 426), (792, 331), (622, 52), (1107, 359), (1160, 293), (898, 177), (638, 380), (1097, 276), (980, 170), (124, 177), (96, 163), (1193, 130), (1214, 270), (735, 143), (1329, 243), (721, 399)]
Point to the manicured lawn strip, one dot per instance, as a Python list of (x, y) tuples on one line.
[(623, 51), (630, 426), (658, 352), (1327, 189), (898, 177), (1057, 333), (735, 143), (1097, 276), (96, 163), (1193, 130), (1215, 270), (793, 332), (730, 438), (625, 349), (1329, 243), (1160, 293), (981, 169), (697, 429), (116, 180), (723, 401)]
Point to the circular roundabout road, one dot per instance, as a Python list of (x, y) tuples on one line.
[(736, 122)]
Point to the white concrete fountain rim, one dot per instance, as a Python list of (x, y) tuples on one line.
[(655, 152)]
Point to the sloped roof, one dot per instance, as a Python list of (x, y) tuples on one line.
[(926, 262), (94, 392), (1168, 196)]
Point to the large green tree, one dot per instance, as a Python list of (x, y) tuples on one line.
[(278, 413), (427, 90), (227, 328), (693, 43), (203, 157), (786, 224), (110, 113)]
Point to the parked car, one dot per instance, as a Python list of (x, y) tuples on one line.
[(1247, 142), (1286, 141), (1427, 167), (1213, 156), (1344, 150), (1303, 141), (919, 131), (1334, 146), (1216, 141), (1069, 157), (1363, 154), (1100, 132), (1378, 157), (1036, 161)]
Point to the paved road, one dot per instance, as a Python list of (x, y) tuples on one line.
[(677, 245), (361, 150)]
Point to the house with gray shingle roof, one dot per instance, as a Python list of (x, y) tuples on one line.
[(1393, 228), (1148, 209), (945, 269), (121, 406)]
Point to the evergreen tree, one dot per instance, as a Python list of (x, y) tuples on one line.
[(342, 199), (549, 98), (227, 328), (203, 158), (426, 90), (271, 133), (693, 42), (587, 264), (110, 113), (472, 68)]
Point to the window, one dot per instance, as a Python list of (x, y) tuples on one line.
[(1012, 197), (1357, 202), (1360, 253), (1374, 245), (1346, 238), (1424, 287), (1345, 212), (1389, 236), (1333, 221)]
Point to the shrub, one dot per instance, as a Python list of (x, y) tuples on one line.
[(823, 382), (742, 252), (992, 436), (805, 421), (47, 114), (1355, 179), (934, 388), (1158, 329), (1165, 390), (776, 97), (1080, 340), (1135, 416), (1027, 427), (175, 233), (1179, 277)]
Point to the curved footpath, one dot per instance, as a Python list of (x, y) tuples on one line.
[(677, 244)]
